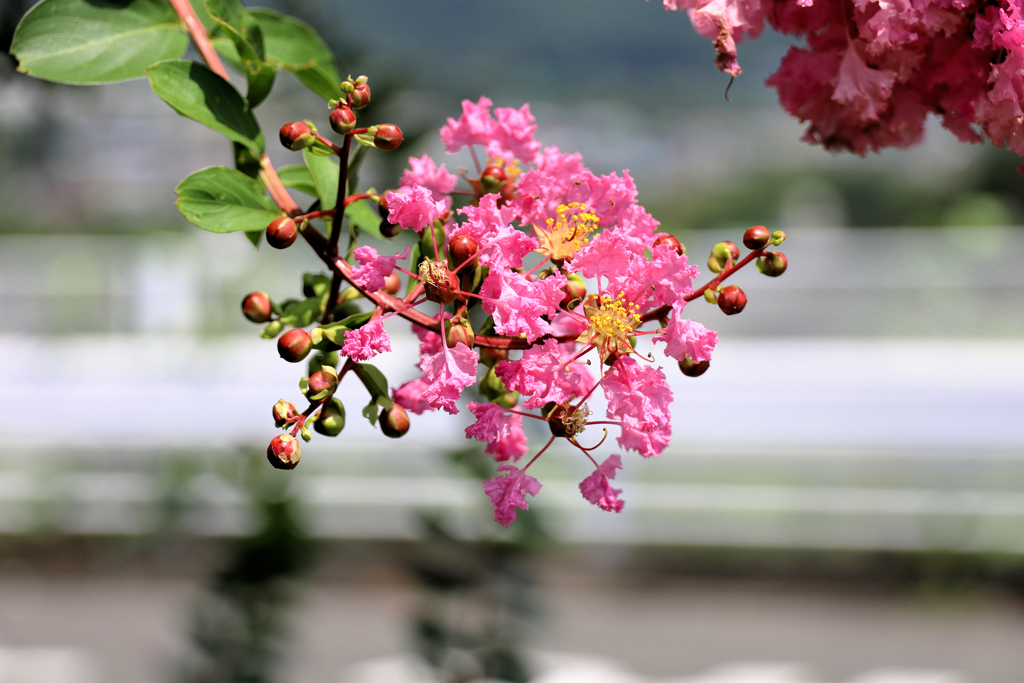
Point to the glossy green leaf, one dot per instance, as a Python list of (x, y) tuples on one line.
[(364, 215), (244, 31), (297, 177), (203, 96), (325, 174), (302, 313), (96, 41), (375, 381), (221, 199), (295, 46), (370, 411), (356, 321)]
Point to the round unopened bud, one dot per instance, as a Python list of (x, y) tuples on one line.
[(458, 330), (282, 232), (331, 419), (343, 120), (492, 178), (507, 400), (388, 137), (387, 228), (575, 290), (359, 96), (294, 345), (256, 307), (732, 300), (283, 410), (284, 452), (461, 248), (692, 368), (721, 254), (394, 423), (392, 283), (322, 382), (756, 237), (773, 263), (296, 135), (671, 241), (778, 237)]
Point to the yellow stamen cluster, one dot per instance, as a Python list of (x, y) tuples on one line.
[(612, 323), (512, 170), (576, 422), (561, 238)]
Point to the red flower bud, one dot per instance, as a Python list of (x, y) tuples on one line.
[(721, 254), (392, 283), (756, 237), (671, 241), (461, 248), (492, 178), (343, 120), (575, 290), (282, 411), (773, 263), (321, 381), (458, 330), (282, 232), (360, 96), (256, 307), (296, 135), (439, 284), (732, 300), (691, 368), (294, 345), (387, 228), (388, 137), (284, 452), (394, 423)]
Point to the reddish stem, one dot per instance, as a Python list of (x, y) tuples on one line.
[(334, 147), (195, 29)]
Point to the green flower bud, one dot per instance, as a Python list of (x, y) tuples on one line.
[(330, 420)]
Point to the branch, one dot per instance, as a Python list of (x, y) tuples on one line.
[(195, 29)]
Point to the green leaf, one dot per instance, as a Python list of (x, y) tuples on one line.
[(370, 411), (221, 199), (201, 95), (272, 329), (297, 177), (208, 22), (302, 313), (375, 381), (254, 237), (356, 321), (245, 33), (325, 174), (315, 284), (295, 46), (364, 215), (245, 161), (96, 41)]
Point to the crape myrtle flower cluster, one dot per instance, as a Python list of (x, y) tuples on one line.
[(872, 70), (531, 284)]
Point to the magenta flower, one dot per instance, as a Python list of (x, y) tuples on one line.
[(543, 374), (363, 343), (597, 487), (502, 432), (517, 304), (446, 374), (413, 207), (685, 338), (426, 173), (410, 396), (474, 127), (639, 397), (373, 267), (508, 492), (500, 245)]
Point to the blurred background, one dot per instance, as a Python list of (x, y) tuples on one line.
[(843, 500)]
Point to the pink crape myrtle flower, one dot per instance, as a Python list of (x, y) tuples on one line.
[(425, 173), (597, 487), (685, 338), (410, 396), (363, 343), (639, 396), (508, 492), (499, 244), (373, 267), (543, 374), (502, 433), (446, 374), (517, 303), (474, 127), (508, 137), (413, 208)]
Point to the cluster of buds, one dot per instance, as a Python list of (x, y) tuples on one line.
[(538, 282)]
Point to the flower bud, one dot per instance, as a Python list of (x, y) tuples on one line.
[(691, 368), (778, 237), (387, 228), (324, 359), (458, 330), (321, 384), (507, 400), (490, 357), (272, 329), (575, 290), (491, 385), (711, 296), (297, 135), (388, 137), (756, 237), (284, 452), (492, 178), (330, 420), (282, 411), (359, 96), (394, 423), (721, 254), (343, 120), (256, 307), (772, 264), (671, 241), (294, 345), (732, 300), (439, 284), (461, 248), (282, 233), (392, 283), (432, 241)]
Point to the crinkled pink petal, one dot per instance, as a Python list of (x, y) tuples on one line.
[(542, 374), (863, 89), (363, 343), (517, 304), (518, 127), (474, 127), (373, 267), (597, 487), (413, 207), (607, 195), (447, 373), (639, 397), (500, 245), (502, 431), (508, 492), (685, 337), (410, 396), (425, 172)]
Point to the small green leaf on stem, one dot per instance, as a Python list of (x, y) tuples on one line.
[(221, 199), (296, 47)]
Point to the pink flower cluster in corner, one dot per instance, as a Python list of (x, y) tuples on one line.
[(873, 70)]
